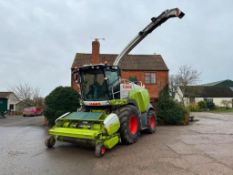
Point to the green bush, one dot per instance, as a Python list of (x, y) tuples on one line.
[(210, 105), (169, 111), (202, 105), (60, 101), (193, 107), (133, 79), (206, 105)]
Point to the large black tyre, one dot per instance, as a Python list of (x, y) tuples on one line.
[(130, 124), (151, 122)]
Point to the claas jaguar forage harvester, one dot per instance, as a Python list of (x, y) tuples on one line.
[(113, 110)]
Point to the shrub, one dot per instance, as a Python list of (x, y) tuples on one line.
[(60, 101), (202, 105), (210, 105), (169, 111), (206, 105), (193, 107), (133, 79)]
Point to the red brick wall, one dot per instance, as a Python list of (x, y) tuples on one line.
[(154, 89)]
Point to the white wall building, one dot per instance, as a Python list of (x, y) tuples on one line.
[(8, 101), (195, 94)]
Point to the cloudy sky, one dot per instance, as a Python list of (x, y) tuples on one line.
[(39, 38)]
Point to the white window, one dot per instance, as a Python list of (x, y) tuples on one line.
[(150, 78)]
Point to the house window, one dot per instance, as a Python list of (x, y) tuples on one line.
[(209, 100), (192, 100), (150, 78), (11, 107)]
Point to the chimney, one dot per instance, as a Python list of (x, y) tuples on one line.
[(95, 52)]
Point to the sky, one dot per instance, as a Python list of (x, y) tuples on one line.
[(39, 38)]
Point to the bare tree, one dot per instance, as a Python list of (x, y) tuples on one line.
[(28, 95), (173, 84), (185, 76)]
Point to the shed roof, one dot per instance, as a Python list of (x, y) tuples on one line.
[(5, 94), (227, 83), (130, 62), (207, 91)]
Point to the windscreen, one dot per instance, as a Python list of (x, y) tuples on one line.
[(113, 82), (94, 87)]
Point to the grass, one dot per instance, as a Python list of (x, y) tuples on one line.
[(216, 110), (222, 110)]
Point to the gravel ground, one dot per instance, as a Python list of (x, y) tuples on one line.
[(203, 147)]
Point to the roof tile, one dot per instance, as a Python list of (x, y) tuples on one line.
[(130, 62)]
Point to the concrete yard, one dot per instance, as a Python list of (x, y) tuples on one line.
[(204, 147)]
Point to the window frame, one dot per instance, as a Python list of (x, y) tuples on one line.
[(152, 77)]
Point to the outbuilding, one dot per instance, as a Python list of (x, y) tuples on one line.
[(220, 93), (8, 101)]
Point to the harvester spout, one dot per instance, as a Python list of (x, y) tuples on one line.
[(155, 22)]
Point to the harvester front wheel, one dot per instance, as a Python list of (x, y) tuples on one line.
[(129, 120), (50, 142), (100, 150)]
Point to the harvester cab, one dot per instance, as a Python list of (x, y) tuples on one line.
[(98, 82), (113, 110)]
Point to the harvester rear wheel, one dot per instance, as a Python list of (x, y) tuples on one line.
[(129, 120), (50, 142), (100, 150), (151, 122)]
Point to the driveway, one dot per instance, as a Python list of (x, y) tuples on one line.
[(204, 147)]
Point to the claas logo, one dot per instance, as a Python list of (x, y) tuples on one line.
[(95, 104)]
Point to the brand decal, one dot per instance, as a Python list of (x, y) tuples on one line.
[(95, 104), (127, 86)]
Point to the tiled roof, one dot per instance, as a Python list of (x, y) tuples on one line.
[(130, 62)]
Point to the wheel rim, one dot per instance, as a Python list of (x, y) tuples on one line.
[(152, 122), (102, 150), (133, 125)]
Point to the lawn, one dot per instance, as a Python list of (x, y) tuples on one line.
[(222, 110)]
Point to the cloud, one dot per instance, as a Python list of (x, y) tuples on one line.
[(39, 39)]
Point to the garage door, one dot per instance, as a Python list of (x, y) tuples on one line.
[(3, 104)]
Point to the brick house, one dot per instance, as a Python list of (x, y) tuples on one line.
[(151, 70)]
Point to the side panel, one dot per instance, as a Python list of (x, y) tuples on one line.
[(143, 119), (154, 89), (110, 143), (141, 96)]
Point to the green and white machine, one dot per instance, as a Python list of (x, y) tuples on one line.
[(113, 110)]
